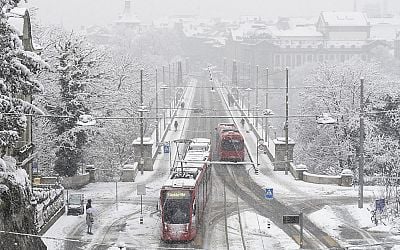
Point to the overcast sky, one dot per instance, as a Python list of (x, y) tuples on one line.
[(74, 13)]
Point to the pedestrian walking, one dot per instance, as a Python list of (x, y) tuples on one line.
[(89, 220), (176, 125), (242, 122)]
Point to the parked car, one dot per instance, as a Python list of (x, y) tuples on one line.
[(75, 204)]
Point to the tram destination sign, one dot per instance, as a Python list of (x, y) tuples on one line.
[(178, 195), (291, 219)]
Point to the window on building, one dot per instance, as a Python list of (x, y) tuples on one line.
[(342, 58), (364, 57), (288, 60), (309, 58), (298, 60), (321, 58), (278, 60)]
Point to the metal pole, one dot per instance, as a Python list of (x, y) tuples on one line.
[(170, 155), (287, 163), (141, 123), (256, 118), (170, 90), (116, 193), (226, 220), (257, 156), (248, 104), (164, 106), (157, 127), (266, 117), (141, 204), (361, 153), (174, 84), (301, 229)]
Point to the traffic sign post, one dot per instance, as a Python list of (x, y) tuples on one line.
[(295, 219), (380, 205), (269, 193), (291, 219), (166, 148), (141, 190)]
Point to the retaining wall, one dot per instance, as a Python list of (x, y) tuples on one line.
[(76, 181)]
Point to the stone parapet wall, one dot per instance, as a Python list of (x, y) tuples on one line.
[(322, 179), (76, 181)]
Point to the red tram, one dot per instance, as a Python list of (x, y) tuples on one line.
[(230, 143), (184, 195)]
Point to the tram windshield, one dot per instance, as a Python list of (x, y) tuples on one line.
[(232, 144), (177, 207)]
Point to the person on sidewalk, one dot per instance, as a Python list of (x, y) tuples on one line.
[(89, 220), (88, 204), (242, 122), (176, 125)]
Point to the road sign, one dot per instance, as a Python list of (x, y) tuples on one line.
[(141, 189), (269, 193), (291, 219), (380, 205), (166, 148)]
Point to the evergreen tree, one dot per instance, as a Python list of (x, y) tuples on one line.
[(76, 67)]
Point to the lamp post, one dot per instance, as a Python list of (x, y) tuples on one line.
[(361, 153), (157, 127), (141, 110), (260, 146), (164, 87), (287, 163), (266, 107), (257, 106)]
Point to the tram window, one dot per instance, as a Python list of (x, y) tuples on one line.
[(232, 145), (177, 211)]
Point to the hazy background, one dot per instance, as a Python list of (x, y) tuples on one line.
[(75, 13)]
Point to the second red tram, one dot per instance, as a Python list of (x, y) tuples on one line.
[(184, 195), (230, 143)]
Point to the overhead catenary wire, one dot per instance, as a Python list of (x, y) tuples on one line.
[(154, 117)]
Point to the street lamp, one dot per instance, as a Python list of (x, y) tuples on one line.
[(361, 153), (287, 163), (86, 120), (326, 118), (266, 113), (164, 87), (260, 146)]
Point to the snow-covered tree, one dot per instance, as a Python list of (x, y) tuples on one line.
[(335, 89), (17, 80), (76, 66)]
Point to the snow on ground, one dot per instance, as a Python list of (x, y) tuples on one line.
[(327, 220), (53, 238), (331, 222), (256, 233)]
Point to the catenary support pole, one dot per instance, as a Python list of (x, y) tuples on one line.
[(157, 126), (361, 153), (287, 162), (141, 124), (266, 107)]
